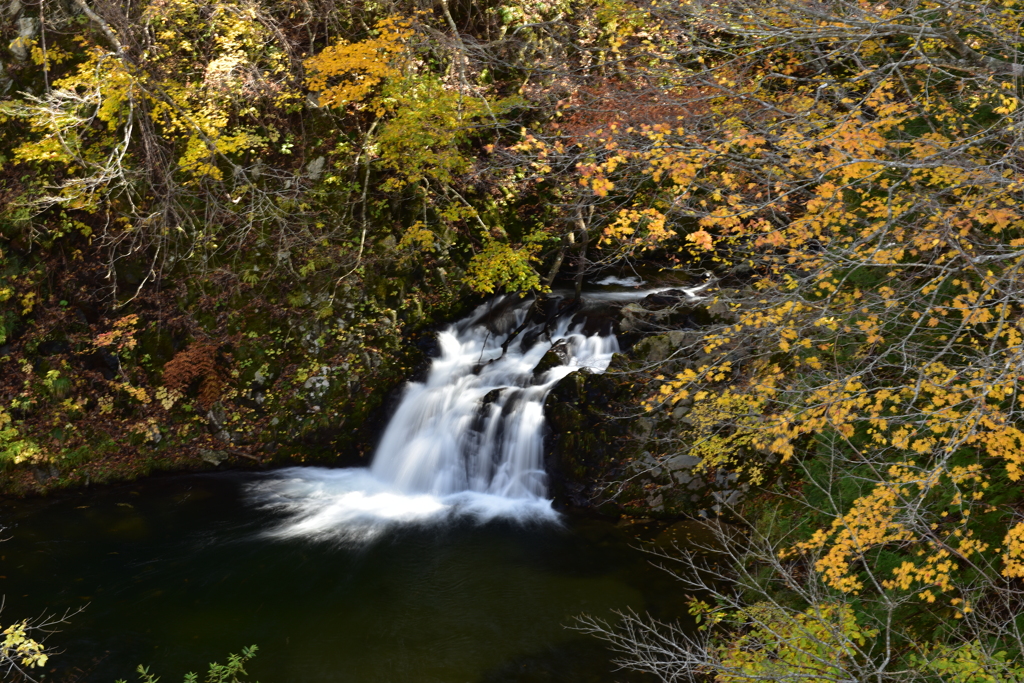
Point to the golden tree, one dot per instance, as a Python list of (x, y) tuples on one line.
[(852, 172)]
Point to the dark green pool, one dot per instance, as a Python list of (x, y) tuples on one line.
[(176, 572)]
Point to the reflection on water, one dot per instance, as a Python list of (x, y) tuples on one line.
[(178, 572)]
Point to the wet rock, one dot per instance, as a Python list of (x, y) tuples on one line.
[(491, 396), (721, 311), (557, 355), (680, 412), (663, 300), (680, 461), (592, 316), (654, 349), (665, 310), (315, 168), (726, 500), (20, 47), (28, 27), (216, 416), (642, 428), (583, 447), (632, 318), (213, 457), (678, 338), (682, 477)]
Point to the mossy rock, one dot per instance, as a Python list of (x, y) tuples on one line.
[(584, 442)]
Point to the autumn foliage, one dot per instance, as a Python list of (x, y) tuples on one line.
[(851, 174), (847, 177), (197, 362)]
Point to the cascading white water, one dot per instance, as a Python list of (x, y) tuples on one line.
[(467, 440), (476, 423)]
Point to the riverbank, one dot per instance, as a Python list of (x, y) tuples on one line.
[(190, 379)]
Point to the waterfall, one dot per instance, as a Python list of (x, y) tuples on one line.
[(476, 423), (468, 440)]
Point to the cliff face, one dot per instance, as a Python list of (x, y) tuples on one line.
[(606, 452)]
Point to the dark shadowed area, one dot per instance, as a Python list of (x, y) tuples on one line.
[(178, 571)]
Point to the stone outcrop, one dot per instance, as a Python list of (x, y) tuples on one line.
[(605, 452)]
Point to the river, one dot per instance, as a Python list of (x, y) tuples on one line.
[(179, 571)]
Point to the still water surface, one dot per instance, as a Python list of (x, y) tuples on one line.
[(175, 572)]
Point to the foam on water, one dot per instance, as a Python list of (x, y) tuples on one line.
[(353, 506), (620, 281)]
